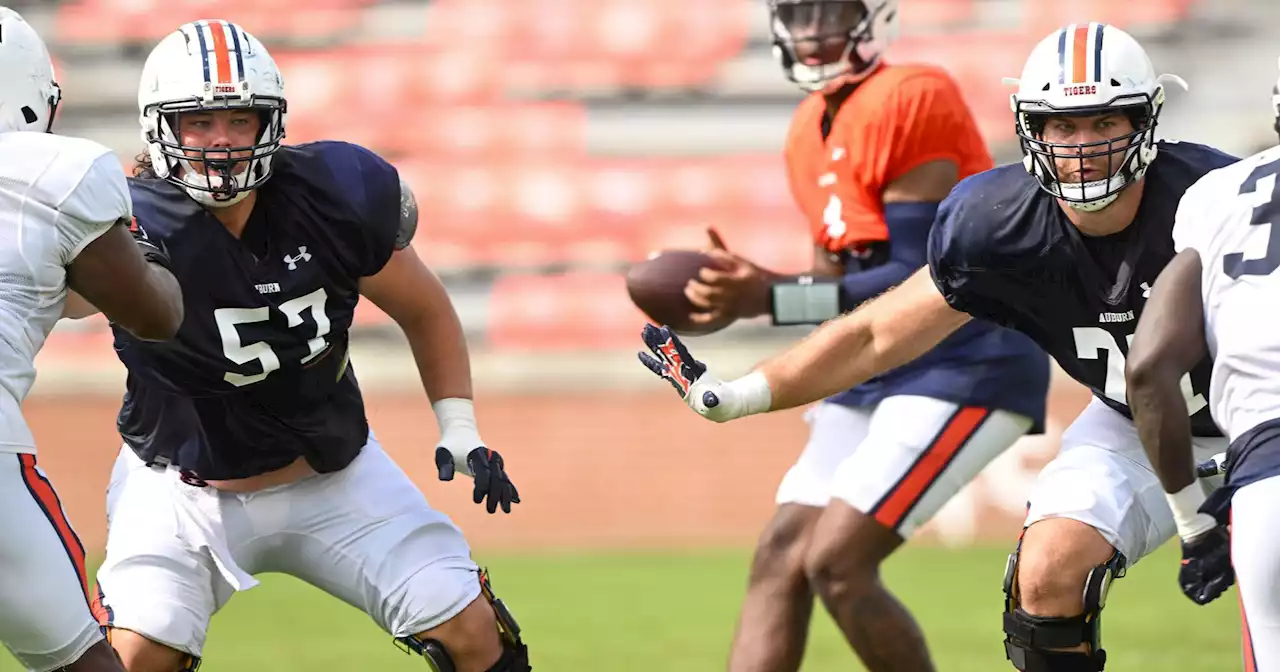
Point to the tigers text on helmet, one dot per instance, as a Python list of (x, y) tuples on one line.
[(210, 66), (817, 41), (29, 94), (1089, 69)]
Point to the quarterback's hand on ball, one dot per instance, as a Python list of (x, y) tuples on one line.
[(486, 467), (736, 289), (1206, 570), (701, 390)]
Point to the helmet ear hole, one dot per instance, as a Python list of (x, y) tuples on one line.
[(29, 115)]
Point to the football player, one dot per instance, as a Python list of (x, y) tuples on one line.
[(65, 222), (246, 445), (871, 152), (1215, 299), (1063, 248)]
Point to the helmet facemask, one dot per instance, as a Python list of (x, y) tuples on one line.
[(222, 182), (1127, 156), (55, 98), (833, 30)]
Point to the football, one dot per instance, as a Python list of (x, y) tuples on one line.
[(656, 286)]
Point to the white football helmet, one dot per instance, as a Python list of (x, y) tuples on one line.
[(848, 37), (29, 94), (206, 66), (1088, 69)]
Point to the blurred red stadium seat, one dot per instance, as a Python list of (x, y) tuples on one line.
[(595, 43), (934, 15), (507, 129), (360, 82), (1041, 18), (526, 213), (485, 131), (108, 22), (577, 311)]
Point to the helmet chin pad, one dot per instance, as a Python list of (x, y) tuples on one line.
[(217, 187)]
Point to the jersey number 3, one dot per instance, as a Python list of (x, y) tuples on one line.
[(1091, 342), (1262, 179), (241, 353)]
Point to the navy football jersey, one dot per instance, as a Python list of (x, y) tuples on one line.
[(258, 373), (1004, 251)]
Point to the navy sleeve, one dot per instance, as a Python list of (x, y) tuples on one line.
[(374, 185), (957, 257), (909, 225)]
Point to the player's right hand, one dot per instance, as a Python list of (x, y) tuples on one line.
[(1206, 570), (737, 289), (701, 391)]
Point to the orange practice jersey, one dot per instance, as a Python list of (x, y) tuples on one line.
[(898, 119)]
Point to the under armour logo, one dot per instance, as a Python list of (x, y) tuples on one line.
[(302, 255), (1146, 290)]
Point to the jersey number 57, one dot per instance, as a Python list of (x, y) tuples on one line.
[(242, 353)]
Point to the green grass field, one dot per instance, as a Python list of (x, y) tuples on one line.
[(675, 612)]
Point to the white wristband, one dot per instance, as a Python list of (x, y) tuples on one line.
[(1186, 511), (457, 418), (752, 391)]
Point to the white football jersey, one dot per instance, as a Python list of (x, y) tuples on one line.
[(57, 195), (1231, 217)]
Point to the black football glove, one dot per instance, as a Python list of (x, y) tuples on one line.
[(1206, 570), (491, 478), (153, 250), (1212, 467)]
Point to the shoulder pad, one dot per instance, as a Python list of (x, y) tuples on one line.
[(408, 216)]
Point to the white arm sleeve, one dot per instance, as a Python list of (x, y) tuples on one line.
[(94, 205)]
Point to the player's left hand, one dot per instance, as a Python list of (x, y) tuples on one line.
[(739, 289), (1206, 570), (701, 391), (488, 470)]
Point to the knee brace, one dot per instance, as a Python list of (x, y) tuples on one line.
[(431, 649), (515, 655), (1030, 641)]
